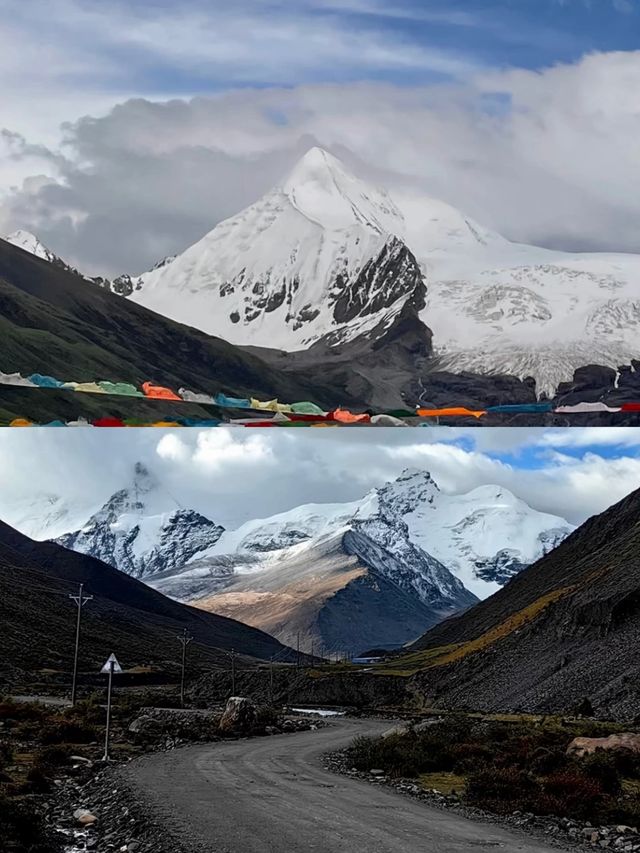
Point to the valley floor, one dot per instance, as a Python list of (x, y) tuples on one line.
[(273, 795)]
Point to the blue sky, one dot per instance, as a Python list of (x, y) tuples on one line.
[(541, 449), (160, 47)]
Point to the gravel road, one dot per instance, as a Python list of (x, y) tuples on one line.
[(272, 795)]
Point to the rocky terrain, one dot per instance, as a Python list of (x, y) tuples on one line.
[(563, 832)]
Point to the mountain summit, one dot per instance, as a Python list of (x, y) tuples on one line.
[(143, 530), (326, 193), (318, 257)]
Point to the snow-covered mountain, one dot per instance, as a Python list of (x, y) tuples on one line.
[(333, 572), (297, 571), (327, 257), (484, 537), (135, 532), (318, 257), (45, 515)]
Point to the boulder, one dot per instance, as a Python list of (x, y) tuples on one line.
[(145, 728), (84, 817), (239, 715), (580, 746)]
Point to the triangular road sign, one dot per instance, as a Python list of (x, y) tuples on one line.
[(112, 659)]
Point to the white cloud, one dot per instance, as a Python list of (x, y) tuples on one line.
[(547, 157), (578, 437)]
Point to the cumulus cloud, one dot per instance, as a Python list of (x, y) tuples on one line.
[(548, 157), (232, 476)]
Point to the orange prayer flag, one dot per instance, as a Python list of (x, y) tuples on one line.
[(453, 412), (159, 393)]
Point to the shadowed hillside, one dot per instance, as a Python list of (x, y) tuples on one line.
[(126, 617), (55, 322)]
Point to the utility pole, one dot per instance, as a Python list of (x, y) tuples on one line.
[(184, 639), (80, 599), (313, 660), (271, 681), (298, 651), (233, 672)]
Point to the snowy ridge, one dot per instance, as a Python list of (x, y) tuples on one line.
[(30, 243), (135, 532), (441, 547), (483, 537), (449, 543)]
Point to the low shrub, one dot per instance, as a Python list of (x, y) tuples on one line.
[(502, 790), (513, 766), (52, 756), (574, 795), (39, 780), (6, 754), (21, 829), (62, 730), (12, 710), (89, 711), (627, 763), (546, 760), (602, 767)]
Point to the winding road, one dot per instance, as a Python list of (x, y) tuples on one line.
[(272, 795)]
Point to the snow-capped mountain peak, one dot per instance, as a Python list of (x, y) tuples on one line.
[(318, 257), (323, 190), (30, 243), (412, 489), (142, 529), (135, 500)]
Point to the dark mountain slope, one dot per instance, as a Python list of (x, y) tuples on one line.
[(52, 321), (126, 617), (565, 628)]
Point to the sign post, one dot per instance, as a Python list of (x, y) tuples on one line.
[(109, 668)]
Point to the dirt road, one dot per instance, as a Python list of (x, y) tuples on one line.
[(271, 795)]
